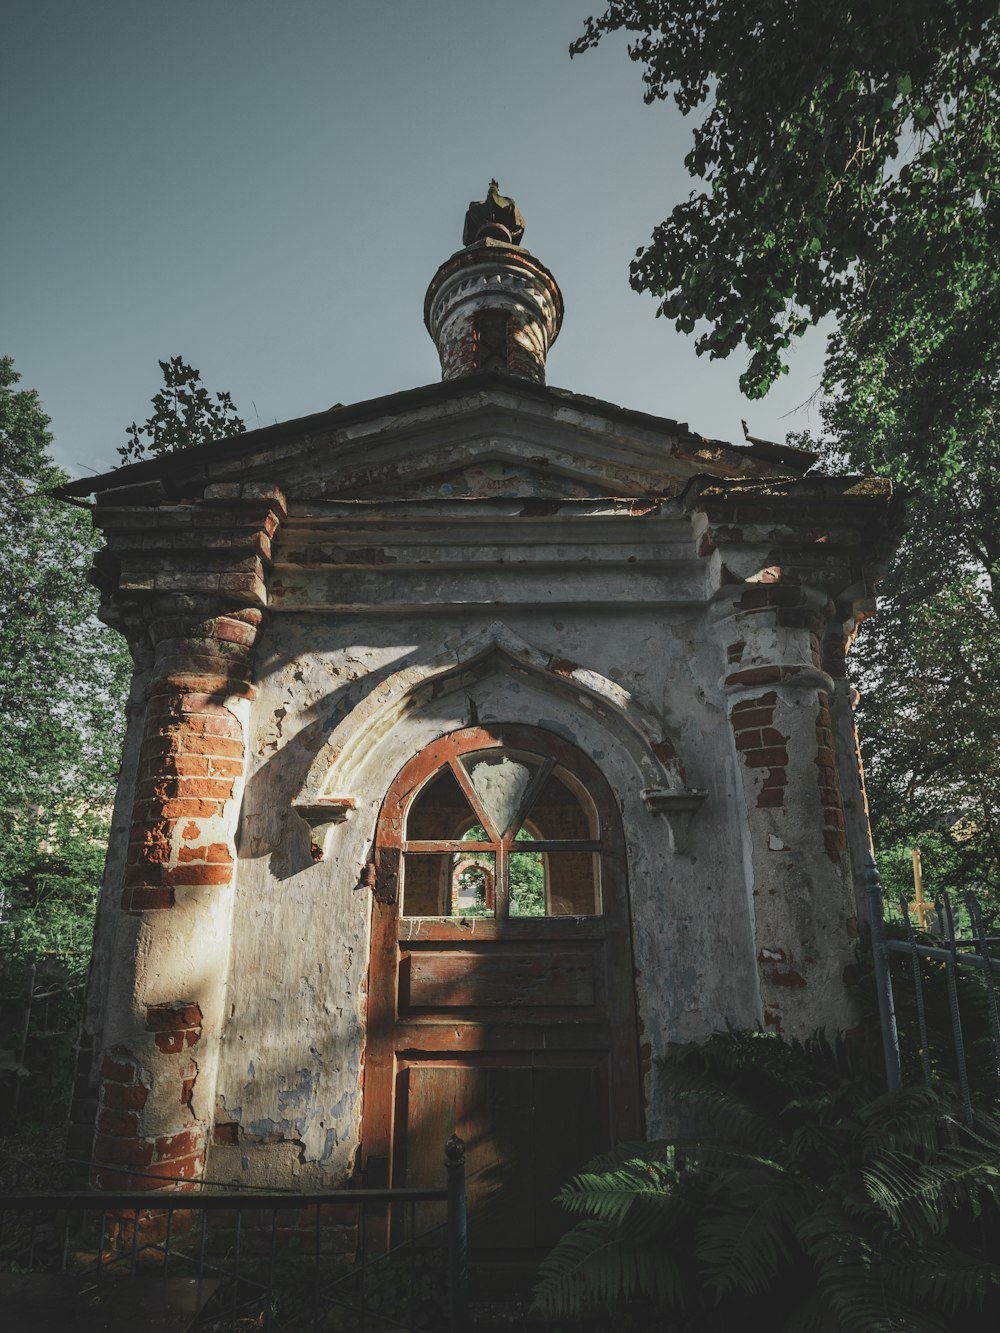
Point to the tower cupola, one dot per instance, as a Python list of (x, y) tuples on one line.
[(492, 305)]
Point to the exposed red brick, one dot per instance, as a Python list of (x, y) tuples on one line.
[(122, 1151), (172, 1016), (119, 1067), (767, 701), (147, 899), (193, 806), (235, 632), (186, 1168), (770, 798), (750, 739), (785, 977), (172, 1043), (220, 789), (752, 719), (124, 1098), (767, 675), (225, 1132), (172, 1146), (200, 873), (773, 756), (776, 777), (119, 1124)]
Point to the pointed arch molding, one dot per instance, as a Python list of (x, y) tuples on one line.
[(334, 782)]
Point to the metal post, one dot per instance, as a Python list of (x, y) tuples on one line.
[(957, 1036), (458, 1241), (982, 945), (883, 982), (918, 991)]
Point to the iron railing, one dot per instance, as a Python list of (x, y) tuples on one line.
[(294, 1261), (950, 974)]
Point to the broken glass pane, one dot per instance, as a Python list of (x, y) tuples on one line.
[(440, 811), (500, 778), (561, 810), (449, 884), (554, 884)]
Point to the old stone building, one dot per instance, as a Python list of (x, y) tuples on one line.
[(484, 738)]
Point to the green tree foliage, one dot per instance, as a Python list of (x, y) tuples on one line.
[(184, 413), (61, 673), (847, 167), (63, 678), (824, 131), (804, 1203), (525, 879)]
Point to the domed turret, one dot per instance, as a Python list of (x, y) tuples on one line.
[(493, 306)]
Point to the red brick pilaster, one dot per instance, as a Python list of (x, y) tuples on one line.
[(192, 575), (785, 559)]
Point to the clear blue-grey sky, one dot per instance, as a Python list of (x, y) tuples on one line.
[(266, 189)]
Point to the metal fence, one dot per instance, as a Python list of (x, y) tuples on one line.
[(351, 1261), (37, 1038), (946, 1022)]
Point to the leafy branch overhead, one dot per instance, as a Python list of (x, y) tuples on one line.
[(825, 130), (184, 413), (846, 166)]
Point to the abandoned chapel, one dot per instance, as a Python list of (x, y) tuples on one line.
[(484, 738)]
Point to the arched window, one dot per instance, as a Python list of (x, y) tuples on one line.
[(506, 828)]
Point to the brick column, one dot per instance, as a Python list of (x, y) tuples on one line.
[(804, 912), (198, 584), (784, 561)]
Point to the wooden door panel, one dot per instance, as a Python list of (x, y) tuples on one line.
[(527, 1129), (517, 1033), (490, 1106), (573, 1102), (499, 979)]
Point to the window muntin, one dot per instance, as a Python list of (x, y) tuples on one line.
[(502, 833)]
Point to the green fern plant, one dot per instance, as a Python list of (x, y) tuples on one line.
[(807, 1203)]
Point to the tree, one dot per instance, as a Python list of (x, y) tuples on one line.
[(848, 167), (63, 678), (825, 130), (184, 413), (61, 673)]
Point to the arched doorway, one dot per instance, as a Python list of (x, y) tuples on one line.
[(501, 996)]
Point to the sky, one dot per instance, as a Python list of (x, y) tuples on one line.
[(267, 189)]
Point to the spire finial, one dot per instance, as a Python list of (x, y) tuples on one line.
[(494, 218)]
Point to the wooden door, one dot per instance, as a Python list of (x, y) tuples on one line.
[(501, 997)]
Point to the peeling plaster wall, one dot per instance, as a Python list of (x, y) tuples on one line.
[(294, 1039)]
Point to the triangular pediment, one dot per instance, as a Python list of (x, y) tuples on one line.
[(479, 437), (483, 445)]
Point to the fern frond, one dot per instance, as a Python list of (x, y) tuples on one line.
[(941, 1274), (917, 1195), (592, 1266), (747, 1237)]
